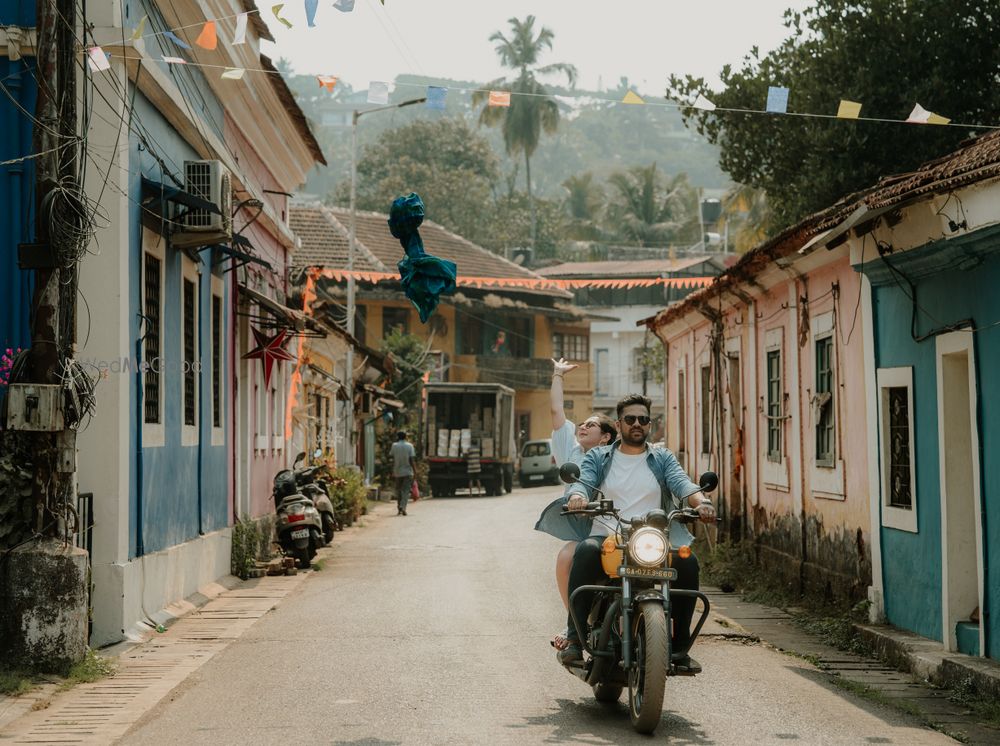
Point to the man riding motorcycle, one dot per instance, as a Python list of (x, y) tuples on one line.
[(638, 479)]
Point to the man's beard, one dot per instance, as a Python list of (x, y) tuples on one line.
[(634, 438)]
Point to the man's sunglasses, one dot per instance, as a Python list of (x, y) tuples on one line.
[(630, 419)]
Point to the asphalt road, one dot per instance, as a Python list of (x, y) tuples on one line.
[(433, 629)]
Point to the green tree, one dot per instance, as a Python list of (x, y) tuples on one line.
[(443, 160), (531, 109), (886, 54), (584, 205), (650, 210), (409, 357)]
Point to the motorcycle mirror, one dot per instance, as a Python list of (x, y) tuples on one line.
[(318, 453), (299, 457), (708, 481), (569, 472)]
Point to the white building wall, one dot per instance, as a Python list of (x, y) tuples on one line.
[(612, 352)]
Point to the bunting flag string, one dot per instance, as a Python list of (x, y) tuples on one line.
[(529, 283)]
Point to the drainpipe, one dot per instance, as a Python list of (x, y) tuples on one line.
[(984, 611), (201, 394), (139, 547)]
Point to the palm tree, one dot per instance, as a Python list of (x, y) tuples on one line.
[(584, 203), (748, 214), (648, 210), (531, 109)]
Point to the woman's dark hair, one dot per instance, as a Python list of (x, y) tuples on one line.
[(607, 425), (630, 399)]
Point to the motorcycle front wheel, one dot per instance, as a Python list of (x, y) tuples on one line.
[(648, 678)]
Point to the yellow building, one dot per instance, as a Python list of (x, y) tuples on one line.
[(503, 325)]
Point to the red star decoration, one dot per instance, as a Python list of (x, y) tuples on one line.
[(268, 350)]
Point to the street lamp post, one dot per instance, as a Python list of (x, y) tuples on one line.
[(349, 372)]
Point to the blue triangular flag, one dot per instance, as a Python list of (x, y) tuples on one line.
[(435, 97), (311, 6), (176, 40), (777, 99)]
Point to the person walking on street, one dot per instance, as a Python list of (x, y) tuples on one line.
[(404, 469)]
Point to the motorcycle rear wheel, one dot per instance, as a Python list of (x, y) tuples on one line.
[(328, 527), (605, 692), (647, 681), (303, 555)]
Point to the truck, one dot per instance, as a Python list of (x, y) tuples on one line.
[(469, 425)]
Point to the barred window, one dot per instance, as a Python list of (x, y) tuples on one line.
[(774, 405), (900, 458), (824, 403), (188, 364), (706, 409), (570, 346), (152, 287)]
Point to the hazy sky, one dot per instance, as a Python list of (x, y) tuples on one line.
[(645, 40)]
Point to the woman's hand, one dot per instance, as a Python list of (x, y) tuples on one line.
[(562, 367)]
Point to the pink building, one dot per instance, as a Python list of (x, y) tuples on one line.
[(765, 385)]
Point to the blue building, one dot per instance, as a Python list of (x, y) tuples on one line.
[(17, 103), (192, 179), (928, 245)]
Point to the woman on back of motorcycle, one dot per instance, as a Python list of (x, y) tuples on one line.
[(570, 443)]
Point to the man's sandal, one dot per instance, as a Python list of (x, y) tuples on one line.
[(560, 641)]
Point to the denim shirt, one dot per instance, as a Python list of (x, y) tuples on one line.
[(674, 483)]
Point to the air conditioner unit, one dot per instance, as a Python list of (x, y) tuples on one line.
[(211, 181)]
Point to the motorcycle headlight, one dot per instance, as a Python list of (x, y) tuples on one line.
[(648, 547)]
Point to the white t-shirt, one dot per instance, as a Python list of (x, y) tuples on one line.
[(633, 487), (565, 446)]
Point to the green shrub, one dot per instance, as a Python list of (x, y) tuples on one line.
[(348, 494), (247, 540)]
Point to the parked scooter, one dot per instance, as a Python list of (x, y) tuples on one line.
[(310, 483), (299, 525)]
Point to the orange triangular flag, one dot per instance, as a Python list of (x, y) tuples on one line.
[(499, 98), (207, 39), (327, 81)]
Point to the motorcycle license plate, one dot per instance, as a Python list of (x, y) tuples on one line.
[(648, 573), (302, 533), (532, 477)]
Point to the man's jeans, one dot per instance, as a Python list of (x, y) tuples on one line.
[(587, 570), (403, 487)]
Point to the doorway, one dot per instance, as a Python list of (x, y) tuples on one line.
[(961, 517)]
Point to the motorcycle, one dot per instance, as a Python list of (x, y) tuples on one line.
[(311, 483), (299, 526), (627, 633)]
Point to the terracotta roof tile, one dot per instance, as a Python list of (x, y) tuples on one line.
[(325, 241)]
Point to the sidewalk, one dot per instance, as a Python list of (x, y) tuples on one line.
[(103, 711), (903, 685)]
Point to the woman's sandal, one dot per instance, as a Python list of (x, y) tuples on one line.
[(560, 641)]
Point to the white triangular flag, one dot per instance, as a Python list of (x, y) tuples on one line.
[(97, 60), (703, 103), (378, 92), (344, 6), (175, 60), (240, 37), (919, 115), (233, 73)]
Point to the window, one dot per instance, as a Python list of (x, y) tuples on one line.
[(535, 449), (152, 330), (570, 346), (216, 361), (823, 402), (681, 413), (706, 409), (495, 335), (278, 406), (895, 405), (602, 373), (188, 361), (393, 317), (774, 408)]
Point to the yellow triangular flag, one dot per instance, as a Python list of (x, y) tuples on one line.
[(276, 9), (937, 119), (849, 109), (140, 29), (632, 98)]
